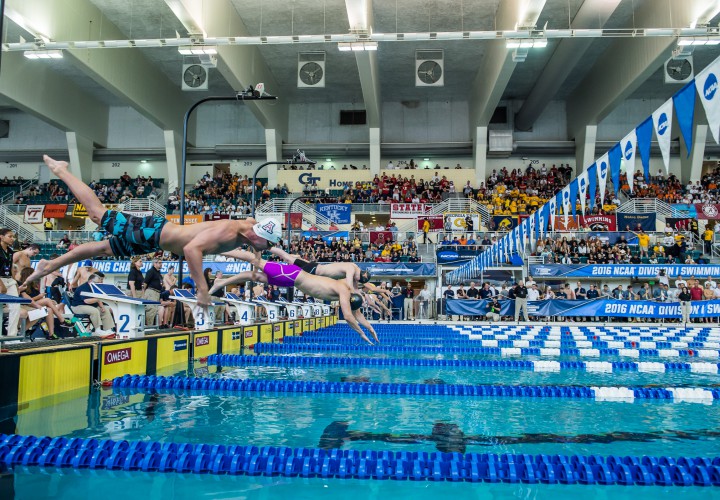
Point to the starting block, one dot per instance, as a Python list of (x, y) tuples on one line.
[(10, 299), (245, 309), (294, 309), (271, 308), (129, 312), (319, 309), (204, 318)]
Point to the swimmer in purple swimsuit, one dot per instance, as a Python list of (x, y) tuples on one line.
[(288, 275)]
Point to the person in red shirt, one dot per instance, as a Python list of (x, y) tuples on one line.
[(696, 292)]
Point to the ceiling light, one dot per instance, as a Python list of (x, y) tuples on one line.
[(117, 44), (344, 47), (148, 43), (370, 45), (328, 159), (197, 50), (356, 47), (426, 159), (537, 43), (43, 54)]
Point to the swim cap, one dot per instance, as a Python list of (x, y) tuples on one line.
[(268, 229), (87, 263), (355, 301), (364, 276)]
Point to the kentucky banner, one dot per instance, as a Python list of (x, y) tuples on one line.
[(707, 87), (591, 308), (622, 270), (662, 120), (603, 169), (628, 153), (397, 269), (33, 214), (633, 222), (339, 213)]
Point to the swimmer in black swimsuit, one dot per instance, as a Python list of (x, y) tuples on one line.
[(140, 235)]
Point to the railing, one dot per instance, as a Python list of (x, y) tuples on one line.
[(645, 206), (16, 223), (143, 204), (282, 205), (10, 197)]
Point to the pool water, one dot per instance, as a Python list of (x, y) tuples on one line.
[(371, 422)]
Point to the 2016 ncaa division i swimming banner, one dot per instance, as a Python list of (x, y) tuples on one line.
[(622, 270)]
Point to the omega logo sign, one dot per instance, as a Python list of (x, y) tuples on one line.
[(118, 356), (204, 340)]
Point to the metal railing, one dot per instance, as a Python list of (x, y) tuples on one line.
[(10, 197), (645, 206), (281, 206), (12, 221), (144, 204)]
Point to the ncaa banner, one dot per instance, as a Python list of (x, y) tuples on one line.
[(34, 214), (628, 155), (339, 213), (582, 181), (123, 266), (603, 169), (398, 269), (662, 120), (634, 222), (706, 83), (622, 270)]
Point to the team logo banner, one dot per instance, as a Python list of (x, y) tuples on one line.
[(408, 210), (622, 270), (436, 222), (707, 211), (635, 222), (34, 214), (594, 222), (682, 224), (458, 222), (55, 211), (79, 210), (339, 213), (504, 222)]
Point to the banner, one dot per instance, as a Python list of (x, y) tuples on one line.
[(55, 211), (582, 181), (634, 222), (189, 219), (339, 213), (381, 237), (398, 269), (457, 222), (79, 210), (33, 214), (628, 154), (141, 213), (707, 87), (682, 224), (707, 211), (622, 270), (294, 220), (408, 210), (123, 266), (644, 138), (684, 101), (504, 222), (662, 120), (436, 222), (594, 222), (592, 186), (615, 157), (589, 308), (603, 169)]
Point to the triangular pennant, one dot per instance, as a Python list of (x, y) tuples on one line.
[(707, 86), (552, 209), (582, 183), (573, 197), (628, 153), (565, 200), (603, 169), (592, 186), (684, 102), (615, 156), (644, 138), (662, 121)]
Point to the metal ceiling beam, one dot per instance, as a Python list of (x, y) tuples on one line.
[(360, 16), (569, 52), (35, 88), (498, 65), (628, 63), (241, 66), (124, 72)]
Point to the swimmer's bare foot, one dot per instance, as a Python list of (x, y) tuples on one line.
[(39, 271), (217, 285), (375, 336), (55, 166), (364, 337)]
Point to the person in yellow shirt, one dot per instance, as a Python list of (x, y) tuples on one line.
[(643, 243), (507, 212), (708, 236), (501, 189)]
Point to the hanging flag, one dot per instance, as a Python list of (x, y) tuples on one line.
[(582, 183), (707, 86), (543, 219), (628, 153), (573, 197), (521, 239), (644, 137), (615, 156), (592, 186), (565, 200), (552, 208), (603, 169), (662, 120), (684, 101), (533, 231)]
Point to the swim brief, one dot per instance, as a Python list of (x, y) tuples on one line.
[(281, 274), (132, 235), (308, 267)]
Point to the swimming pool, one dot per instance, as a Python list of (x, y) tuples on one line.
[(338, 399)]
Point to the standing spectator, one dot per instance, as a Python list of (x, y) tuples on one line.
[(152, 288), (409, 294), (708, 237), (469, 224), (644, 243), (472, 292), (424, 299), (135, 278), (493, 309), (8, 285), (426, 229), (521, 293), (685, 304), (533, 295)]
